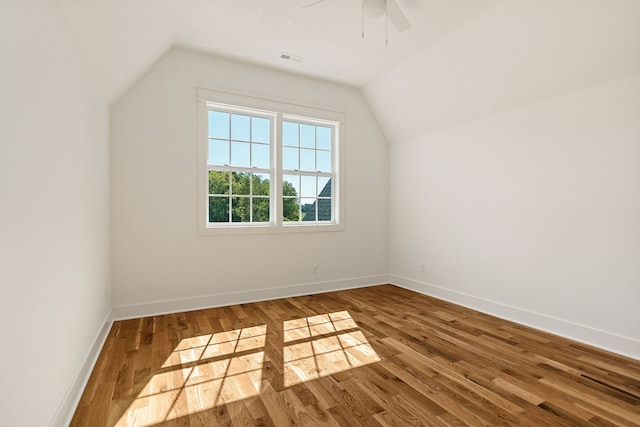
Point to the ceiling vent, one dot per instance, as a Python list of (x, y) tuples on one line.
[(289, 57)]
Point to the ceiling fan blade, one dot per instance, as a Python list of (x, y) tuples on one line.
[(397, 18), (313, 4)]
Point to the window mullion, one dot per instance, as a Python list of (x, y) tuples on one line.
[(277, 198), (230, 196), (250, 191), (230, 150), (317, 203)]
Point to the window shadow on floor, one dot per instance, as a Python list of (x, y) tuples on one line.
[(206, 372)]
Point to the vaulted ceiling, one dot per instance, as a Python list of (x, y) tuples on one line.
[(461, 59)]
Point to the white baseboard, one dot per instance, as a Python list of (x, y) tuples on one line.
[(67, 407), (624, 346), (602, 339), (133, 311)]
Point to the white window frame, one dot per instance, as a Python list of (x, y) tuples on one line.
[(207, 98)]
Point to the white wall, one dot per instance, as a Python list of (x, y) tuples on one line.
[(54, 238), (532, 214), (157, 253)]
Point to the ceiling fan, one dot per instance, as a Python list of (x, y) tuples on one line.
[(376, 8)]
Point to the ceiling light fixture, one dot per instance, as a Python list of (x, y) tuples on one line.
[(374, 8), (377, 8)]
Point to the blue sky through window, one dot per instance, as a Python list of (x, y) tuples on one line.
[(239, 140), (244, 141), (306, 147)]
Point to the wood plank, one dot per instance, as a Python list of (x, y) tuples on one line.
[(376, 356)]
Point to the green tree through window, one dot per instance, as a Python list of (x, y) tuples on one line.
[(290, 206), (245, 196)]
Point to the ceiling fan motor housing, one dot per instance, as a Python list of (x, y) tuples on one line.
[(374, 8)]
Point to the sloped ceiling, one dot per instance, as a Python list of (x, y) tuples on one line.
[(519, 52), (121, 39), (461, 60)]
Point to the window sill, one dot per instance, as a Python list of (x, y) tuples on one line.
[(221, 230)]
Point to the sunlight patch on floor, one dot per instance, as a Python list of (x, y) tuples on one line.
[(208, 371), (201, 373), (323, 345)]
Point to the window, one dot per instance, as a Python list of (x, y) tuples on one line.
[(239, 166), (267, 166), (307, 172)]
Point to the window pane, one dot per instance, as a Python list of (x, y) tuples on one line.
[(240, 127), (261, 184), (218, 209), (308, 208), (324, 186), (291, 185), (260, 155), (308, 186), (307, 136), (218, 125), (290, 134), (260, 210), (324, 138), (240, 154), (240, 211), (307, 160), (260, 130), (324, 161), (240, 184), (218, 182), (324, 209), (290, 209), (290, 158), (218, 152)]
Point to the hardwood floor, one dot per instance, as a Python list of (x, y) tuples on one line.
[(377, 356)]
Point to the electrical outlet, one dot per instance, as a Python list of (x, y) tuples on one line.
[(314, 269), (422, 268)]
